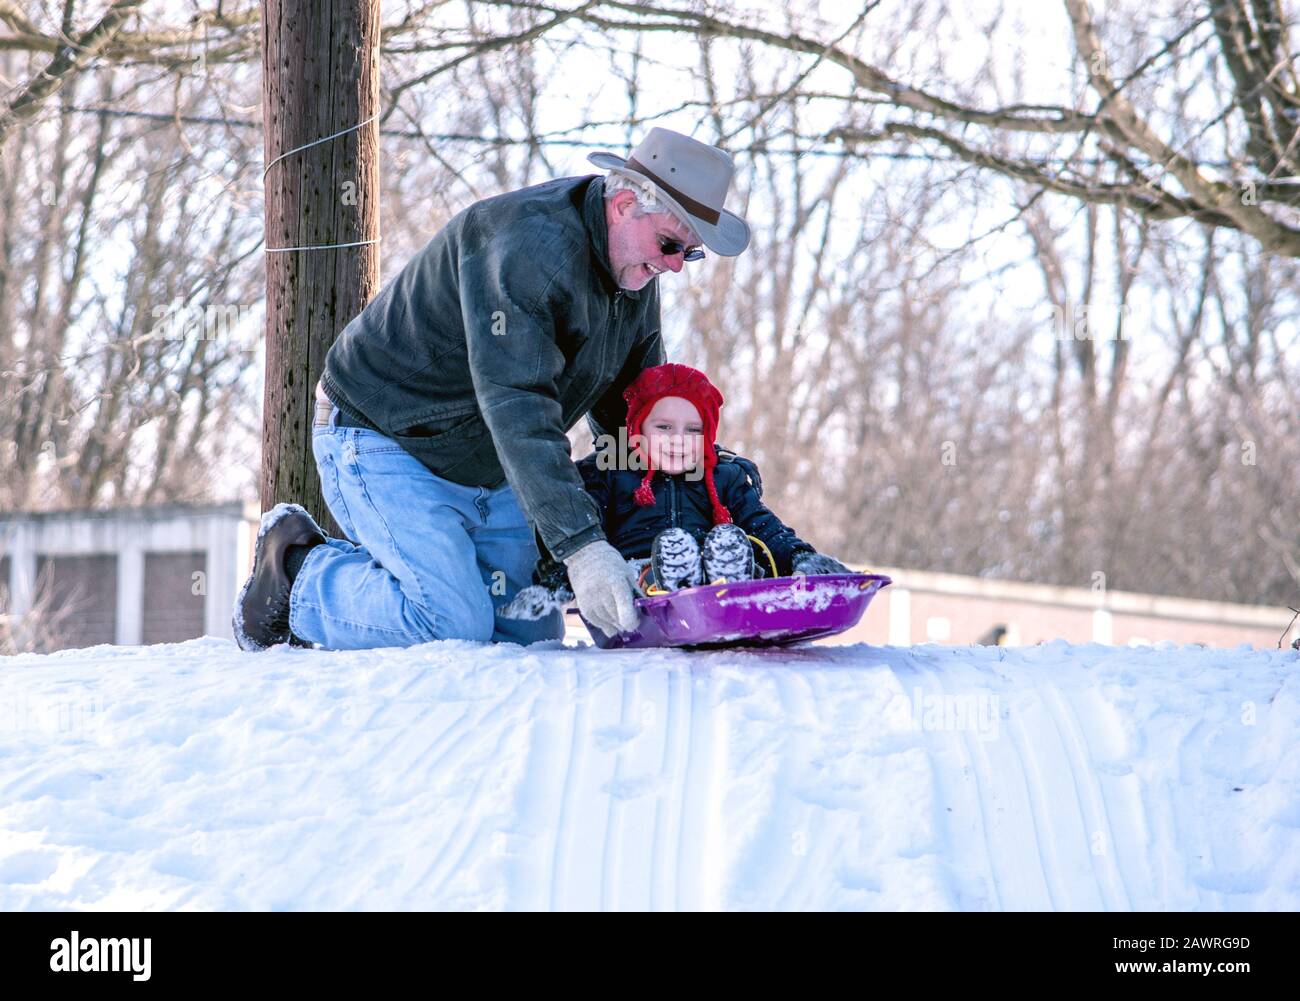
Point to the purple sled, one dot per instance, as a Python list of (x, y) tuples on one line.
[(771, 612)]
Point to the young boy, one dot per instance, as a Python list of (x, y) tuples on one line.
[(679, 517)]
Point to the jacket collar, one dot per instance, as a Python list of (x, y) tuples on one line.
[(593, 217)]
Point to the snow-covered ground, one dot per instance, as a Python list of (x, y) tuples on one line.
[(453, 775)]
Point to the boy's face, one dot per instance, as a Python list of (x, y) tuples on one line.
[(674, 434)]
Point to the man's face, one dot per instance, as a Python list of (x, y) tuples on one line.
[(634, 251)]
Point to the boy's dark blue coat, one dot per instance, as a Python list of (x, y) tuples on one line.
[(681, 501)]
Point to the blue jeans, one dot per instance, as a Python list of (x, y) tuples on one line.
[(435, 560)]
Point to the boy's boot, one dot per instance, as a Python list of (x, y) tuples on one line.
[(728, 555), (675, 559)]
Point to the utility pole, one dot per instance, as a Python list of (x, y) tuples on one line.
[(320, 86)]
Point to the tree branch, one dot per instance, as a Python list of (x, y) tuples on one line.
[(70, 57)]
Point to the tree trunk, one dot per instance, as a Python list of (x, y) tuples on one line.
[(320, 68)]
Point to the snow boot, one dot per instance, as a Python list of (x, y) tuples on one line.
[(728, 555), (262, 612), (675, 559), (534, 601)]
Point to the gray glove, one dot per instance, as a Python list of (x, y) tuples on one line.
[(602, 585), (817, 564)]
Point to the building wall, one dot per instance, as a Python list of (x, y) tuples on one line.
[(1133, 630), (84, 591), (166, 572), (959, 618), (926, 607), (174, 592)]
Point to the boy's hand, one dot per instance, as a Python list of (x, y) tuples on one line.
[(817, 565), (603, 588)]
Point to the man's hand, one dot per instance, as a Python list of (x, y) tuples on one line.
[(603, 588), (817, 564)]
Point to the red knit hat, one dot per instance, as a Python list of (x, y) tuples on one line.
[(690, 384)]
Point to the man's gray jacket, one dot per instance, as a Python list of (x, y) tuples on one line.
[(494, 340)]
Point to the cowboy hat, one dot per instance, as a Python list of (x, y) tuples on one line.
[(691, 176)]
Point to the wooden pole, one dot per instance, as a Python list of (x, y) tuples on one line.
[(320, 76)]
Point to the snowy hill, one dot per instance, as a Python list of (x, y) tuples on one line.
[(459, 776)]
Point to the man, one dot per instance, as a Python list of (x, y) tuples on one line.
[(440, 435)]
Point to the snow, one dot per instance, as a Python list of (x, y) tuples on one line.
[(810, 594), (454, 775)]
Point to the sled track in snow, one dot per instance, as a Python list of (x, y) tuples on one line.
[(458, 776), (969, 806), (1038, 801)]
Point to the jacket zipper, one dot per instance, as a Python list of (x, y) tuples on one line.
[(672, 502), (610, 328)]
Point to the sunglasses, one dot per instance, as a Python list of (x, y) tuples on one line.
[(670, 247)]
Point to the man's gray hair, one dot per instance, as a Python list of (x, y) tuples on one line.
[(647, 199)]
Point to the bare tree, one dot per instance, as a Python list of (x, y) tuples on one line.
[(896, 348), (131, 392), (43, 626)]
